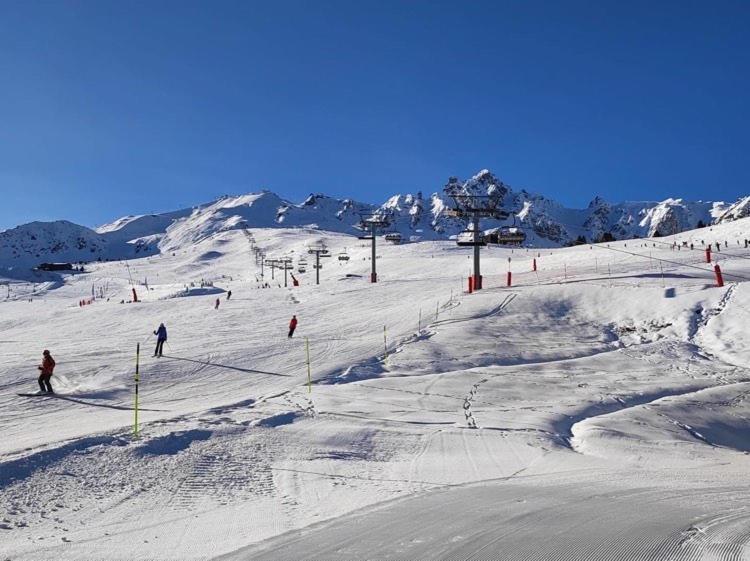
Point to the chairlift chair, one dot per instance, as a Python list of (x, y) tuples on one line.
[(510, 235), (393, 237), (466, 239)]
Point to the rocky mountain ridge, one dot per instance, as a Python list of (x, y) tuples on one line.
[(415, 216)]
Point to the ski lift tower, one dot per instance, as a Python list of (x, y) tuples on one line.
[(373, 222), (274, 264), (286, 264), (472, 208), (260, 259), (319, 250)]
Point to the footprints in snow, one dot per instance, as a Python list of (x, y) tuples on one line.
[(302, 403), (704, 316), (468, 412)]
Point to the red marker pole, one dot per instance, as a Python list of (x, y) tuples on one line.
[(509, 278), (533, 267), (719, 278), (708, 254)]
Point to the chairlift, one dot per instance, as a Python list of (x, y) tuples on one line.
[(344, 256), (393, 237), (466, 238), (509, 235)]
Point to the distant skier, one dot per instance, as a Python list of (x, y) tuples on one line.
[(46, 369), (229, 295), (216, 306), (161, 338), (292, 326)]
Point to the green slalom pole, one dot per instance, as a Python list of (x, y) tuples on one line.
[(137, 380), (309, 375)]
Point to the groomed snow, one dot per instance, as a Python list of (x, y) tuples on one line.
[(596, 409)]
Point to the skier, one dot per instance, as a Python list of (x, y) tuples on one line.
[(216, 307), (161, 337), (292, 326), (46, 369), (229, 295)]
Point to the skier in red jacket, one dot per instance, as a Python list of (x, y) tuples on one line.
[(292, 326), (46, 369)]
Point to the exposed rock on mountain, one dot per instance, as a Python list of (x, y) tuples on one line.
[(414, 216)]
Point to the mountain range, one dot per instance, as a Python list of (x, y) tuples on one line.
[(416, 217)]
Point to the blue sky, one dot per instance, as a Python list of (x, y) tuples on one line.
[(109, 108)]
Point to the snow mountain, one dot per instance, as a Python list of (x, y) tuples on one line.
[(415, 216), (61, 241)]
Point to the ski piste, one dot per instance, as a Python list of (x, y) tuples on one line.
[(584, 373)]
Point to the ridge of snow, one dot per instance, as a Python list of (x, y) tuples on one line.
[(545, 221)]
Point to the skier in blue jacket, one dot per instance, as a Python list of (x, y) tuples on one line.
[(161, 337)]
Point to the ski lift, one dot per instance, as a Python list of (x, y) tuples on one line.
[(508, 235), (393, 237), (466, 238), (344, 256)]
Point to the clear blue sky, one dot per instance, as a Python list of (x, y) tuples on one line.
[(109, 108)]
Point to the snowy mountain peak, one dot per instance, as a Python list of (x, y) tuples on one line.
[(597, 202), (740, 209), (544, 221)]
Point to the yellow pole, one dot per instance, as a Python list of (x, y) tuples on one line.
[(385, 345), (309, 375), (137, 380)]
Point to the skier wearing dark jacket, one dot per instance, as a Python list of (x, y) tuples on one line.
[(161, 337), (292, 326), (46, 369)]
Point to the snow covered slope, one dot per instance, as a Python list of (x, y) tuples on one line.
[(740, 209), (597, 409)]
